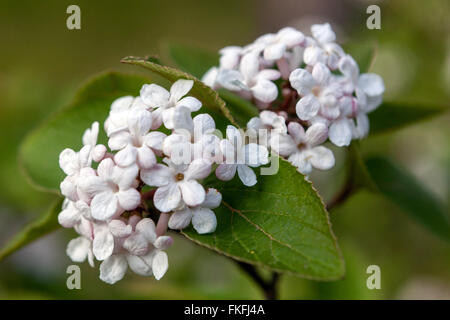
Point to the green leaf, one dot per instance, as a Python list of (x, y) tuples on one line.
[(212, 103), (191, 59), (40, 150), (44, 225), (391, 116), (408, 193), (280, 223)]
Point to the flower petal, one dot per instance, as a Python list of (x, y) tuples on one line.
[(167, 198), (316, 134), (146, 227), (180, 219), (139, 121), (140, 265), (225, 171), (159, 175), (155, 140), (193, 193), (246, 175), (265, 90), (78, 249), (160, 264), (155, 96), (323, 32), (136, 244), (204, 220), (113, 269), (198, 169), (119, 229), (145, 157), (104, 206), (179, 89), (307, 107), (190, 102), (129, 199), (103, 244), (321, 158), (213, 199), (302, 81), (340, 132), (371, 83), (126, 156)]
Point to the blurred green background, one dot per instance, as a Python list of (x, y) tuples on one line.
[(42, 63)]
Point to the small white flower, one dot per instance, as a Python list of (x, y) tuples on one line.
[(303, 149), (153, 260), (265, 124), (105, 236), (210, 77), (136, 143), (177, 184), (240, 157), (113, 190), (230, 57), (317, 91), (166, 102), (202, 217), (192, 138), (323, 49), (250, 79)]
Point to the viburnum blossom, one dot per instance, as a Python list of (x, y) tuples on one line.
[(240, 157), (165, 102), (202, 217), (122, 201)]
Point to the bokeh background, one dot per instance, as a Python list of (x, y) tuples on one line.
[(42, 63)]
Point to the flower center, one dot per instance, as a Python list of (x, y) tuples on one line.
[(301, 145), (316, 91), (179, 177)]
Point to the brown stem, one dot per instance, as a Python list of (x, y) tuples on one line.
[(269, 288)]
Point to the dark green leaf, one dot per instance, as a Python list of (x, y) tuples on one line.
[(40, 149), (408, 193), (44, 225), (391, 116), (280, 223)]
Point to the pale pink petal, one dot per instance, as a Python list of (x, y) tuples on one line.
[(297, 132), (182, 119), (190, 102), (198, 169), (179, 89), (321, 74), (225, 171), (157, 176), (103, 244), (316, 134), (136, 244), (127, 156), (255, 155), (321, 158), (265, 91), (213, 199), (340, 132), (104, 206), (204, 220), (140, 265), (302, 81), (167, 198), (246, 175), (129, 199), (119, 229), (163, 242), (78, 249), (145, 157), (155, 140), (139, 121), (119, 140), (193, 193), (68, 161), (146, 227), (180, 219), (155, 96), (274, 51), (113, 269), (307, 107), (160, 264), (323, 32)]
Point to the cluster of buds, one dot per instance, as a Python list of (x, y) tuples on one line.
[(111, 196), (308, 89)]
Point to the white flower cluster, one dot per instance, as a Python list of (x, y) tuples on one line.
[(308, 82), (107, 193)]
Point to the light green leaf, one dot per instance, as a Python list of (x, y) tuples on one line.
[(280, 223), (408, 193), (44, 225), (391, 116), (212, 103), (40, 150)]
